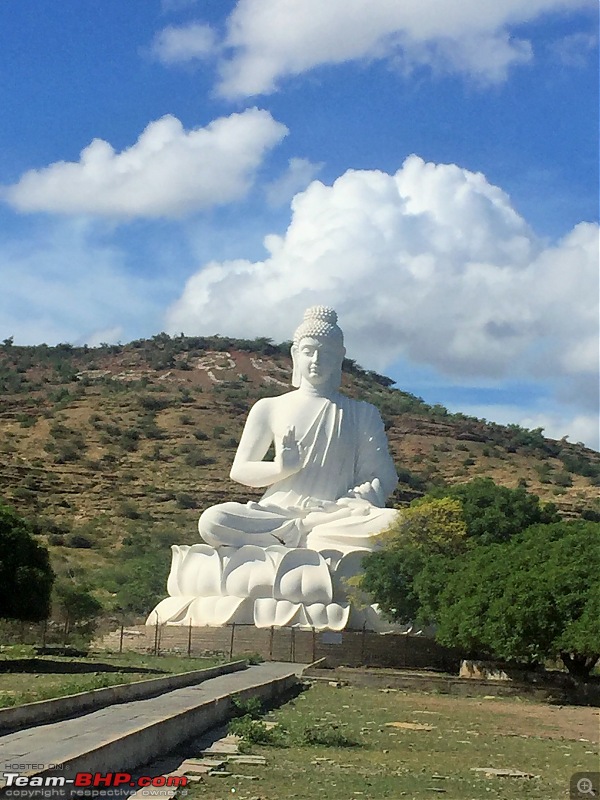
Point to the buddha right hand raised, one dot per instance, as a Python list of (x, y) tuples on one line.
[(290, 453)]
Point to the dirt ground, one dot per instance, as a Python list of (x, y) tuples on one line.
[(541, 720)]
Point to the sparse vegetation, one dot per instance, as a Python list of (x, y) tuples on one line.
[(446, 744)]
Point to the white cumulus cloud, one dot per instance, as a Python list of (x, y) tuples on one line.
[(431, 264), (168, 172), (175, 44), (271, 39), (299, 173)]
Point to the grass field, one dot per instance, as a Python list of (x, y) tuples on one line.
[(446, 740), (25, 677)]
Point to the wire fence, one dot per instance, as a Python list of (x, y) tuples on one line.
[(293, 644)]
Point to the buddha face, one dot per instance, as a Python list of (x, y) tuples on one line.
[(318, 361)]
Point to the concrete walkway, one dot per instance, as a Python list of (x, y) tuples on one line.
[(122, 737)]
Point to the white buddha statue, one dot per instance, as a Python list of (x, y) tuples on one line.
[(332, 471), (285, 560)]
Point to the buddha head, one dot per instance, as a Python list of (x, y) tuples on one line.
[(318, 349)]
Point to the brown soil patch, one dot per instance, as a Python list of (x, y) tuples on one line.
[(525, 718)]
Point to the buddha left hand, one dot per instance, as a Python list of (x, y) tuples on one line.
[(370, 491)]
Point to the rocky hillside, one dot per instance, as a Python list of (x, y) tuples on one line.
[(97, 443)]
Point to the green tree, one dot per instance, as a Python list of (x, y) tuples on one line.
[(78, 607), (527, 600), (389, 578), (495, 513), (429, 531), (26, 576)]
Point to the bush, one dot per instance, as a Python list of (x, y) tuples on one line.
[(196, 458), (326, 736), (253, 731), (563, 479), (77, 540), (152, 431), (129, 440), (67, 452), (251, 707), (186, 500), (154, 402), (129, 510)]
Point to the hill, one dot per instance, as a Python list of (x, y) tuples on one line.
[(113, 451)]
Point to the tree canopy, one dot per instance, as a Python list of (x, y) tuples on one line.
[(533, 598), (494, 513), (78, 606), (26, 576)]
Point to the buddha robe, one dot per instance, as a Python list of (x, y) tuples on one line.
[(344, 446)]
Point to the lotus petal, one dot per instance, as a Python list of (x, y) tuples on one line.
[(269, 612), (219, 611), (330, 617), (249, 573), (177, 555), (303, 577), (200, 571), (171, 610)]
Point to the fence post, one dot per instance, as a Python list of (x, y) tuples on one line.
[(232, 638), (293, 646), (271, 643), (190, 639), (121, 638), (314, 645), (362, 644), (156, 635), (44, 633)]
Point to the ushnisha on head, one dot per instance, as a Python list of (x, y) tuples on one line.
[(318, 349)]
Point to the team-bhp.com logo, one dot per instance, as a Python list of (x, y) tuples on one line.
[(88, 780)]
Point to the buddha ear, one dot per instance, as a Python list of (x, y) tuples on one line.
[(339, 376), (295, 371)]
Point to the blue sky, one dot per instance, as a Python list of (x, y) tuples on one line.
[(429, 169)]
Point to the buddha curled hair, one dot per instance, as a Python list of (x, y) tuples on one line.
[(319, 321)]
